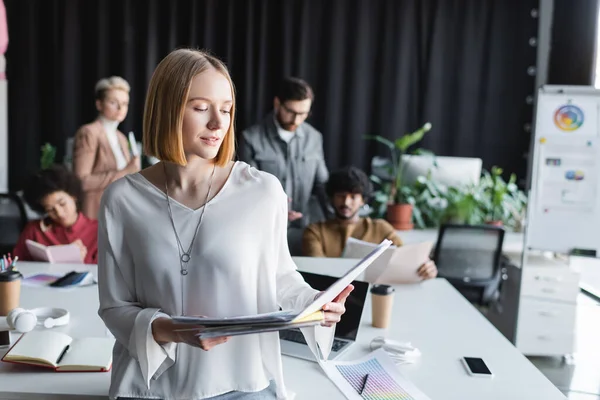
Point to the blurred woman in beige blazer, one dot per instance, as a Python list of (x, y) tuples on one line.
[(101, 152)]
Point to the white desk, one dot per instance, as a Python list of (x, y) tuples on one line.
[(432, 315)]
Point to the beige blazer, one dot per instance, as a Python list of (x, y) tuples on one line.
[(95, 165)]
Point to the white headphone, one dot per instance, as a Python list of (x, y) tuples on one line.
[(400, 352), (23, 320)]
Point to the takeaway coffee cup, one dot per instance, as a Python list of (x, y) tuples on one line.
[(382, 299), (10, 290)]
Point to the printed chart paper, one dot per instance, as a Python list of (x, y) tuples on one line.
[(373, 377)]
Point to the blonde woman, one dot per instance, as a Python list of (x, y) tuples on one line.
[(101, 152), (197, 234)]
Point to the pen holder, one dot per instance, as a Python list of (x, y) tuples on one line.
[(10, 290)]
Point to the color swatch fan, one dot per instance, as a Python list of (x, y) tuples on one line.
[(374, 377)]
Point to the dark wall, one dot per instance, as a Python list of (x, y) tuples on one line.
[(573, 42), (377, 66)]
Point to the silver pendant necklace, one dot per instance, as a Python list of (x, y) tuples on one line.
[(185, 256)]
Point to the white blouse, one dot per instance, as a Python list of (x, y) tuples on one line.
[(110, 127), (240, 265)]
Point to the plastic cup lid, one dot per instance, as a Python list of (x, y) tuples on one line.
[(382, 289), (10, 275)]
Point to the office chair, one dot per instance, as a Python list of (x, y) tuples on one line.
[(469, 257), (12, 221)]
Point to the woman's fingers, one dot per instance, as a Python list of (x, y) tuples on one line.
[(207, 344), (341, 298)]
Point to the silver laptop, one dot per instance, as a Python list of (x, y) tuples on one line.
[(292, 341)]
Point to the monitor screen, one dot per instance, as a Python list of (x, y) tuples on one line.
[(448, 171), (347, 328)]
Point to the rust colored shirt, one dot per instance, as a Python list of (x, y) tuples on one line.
[(328, 238), (51, 235)]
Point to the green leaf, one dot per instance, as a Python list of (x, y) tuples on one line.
[(376, 179), (409, 139), (381, 140)]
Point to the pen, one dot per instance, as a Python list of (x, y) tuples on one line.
[(62, 355), (364, 384), (14, 262)]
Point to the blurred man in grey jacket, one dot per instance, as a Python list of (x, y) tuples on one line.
[(286, 146)]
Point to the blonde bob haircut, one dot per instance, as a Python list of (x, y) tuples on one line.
[(110, 83), (166, 102)]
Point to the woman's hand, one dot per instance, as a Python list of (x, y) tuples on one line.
[(82, 248), (428, 270), (335, 309), (135, 164), (165, 330)]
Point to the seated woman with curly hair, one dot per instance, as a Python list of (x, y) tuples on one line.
[(56, 193)]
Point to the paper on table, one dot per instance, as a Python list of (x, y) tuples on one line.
[(396, 265), (40, 279), (385, 381)]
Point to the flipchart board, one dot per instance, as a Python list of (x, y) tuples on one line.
[(563, 213)]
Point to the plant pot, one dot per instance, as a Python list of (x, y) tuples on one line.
[(400, 216), (494, 223)]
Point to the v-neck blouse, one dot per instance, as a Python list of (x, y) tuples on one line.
[(240, 265)]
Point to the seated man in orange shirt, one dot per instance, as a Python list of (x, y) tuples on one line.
[(56, 192), (348, 189)]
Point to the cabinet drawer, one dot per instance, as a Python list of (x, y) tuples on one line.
[(545, 328), (545, 317), (561, 284), (554, 344)]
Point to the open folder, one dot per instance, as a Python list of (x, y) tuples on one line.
[(396, 265), (281, 320)]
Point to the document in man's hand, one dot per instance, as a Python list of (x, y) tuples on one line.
[(280, 320), (396, 265)]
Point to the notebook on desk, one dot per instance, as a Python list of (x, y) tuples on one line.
[(292, 341), (61, 352)]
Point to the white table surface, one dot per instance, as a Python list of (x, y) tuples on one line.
[(432, 315)]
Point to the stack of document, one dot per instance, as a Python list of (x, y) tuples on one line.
[(270, 322), (281, 320)]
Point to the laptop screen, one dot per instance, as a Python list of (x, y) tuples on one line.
[(347, 328)]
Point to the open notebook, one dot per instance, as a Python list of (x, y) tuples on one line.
[(67, 253), (61, 352)]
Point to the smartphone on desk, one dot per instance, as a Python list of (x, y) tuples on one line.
[(476, 367)]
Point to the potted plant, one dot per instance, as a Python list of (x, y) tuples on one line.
[(400, 199), (505, 203)]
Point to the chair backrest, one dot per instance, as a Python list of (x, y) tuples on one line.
[(12, 220), (470, 253)]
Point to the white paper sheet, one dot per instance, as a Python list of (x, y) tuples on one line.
[(397, 265), (373, 377)]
